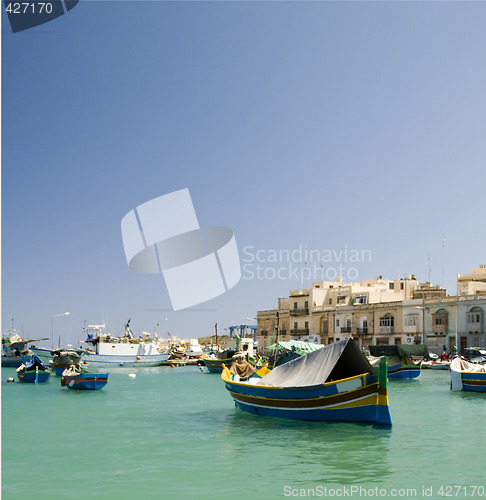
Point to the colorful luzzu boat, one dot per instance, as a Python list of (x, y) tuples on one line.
[(33, 371), (467, 376), (335, 383), (400, 363), (215, 362)]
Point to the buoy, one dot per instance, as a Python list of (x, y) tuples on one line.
[(138, 358), (131, 375), (10, 379)]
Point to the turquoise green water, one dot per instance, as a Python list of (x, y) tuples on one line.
[(175, 433)]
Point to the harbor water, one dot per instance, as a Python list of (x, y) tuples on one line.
[(175, 433)]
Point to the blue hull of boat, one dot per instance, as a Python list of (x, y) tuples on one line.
[(405, 372), (474, 382), (357, 399), (86, 381), (34, 377)]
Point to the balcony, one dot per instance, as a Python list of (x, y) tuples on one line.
[(299, 312), (299, 331), (362, 331), (387, 329), (345, 329)]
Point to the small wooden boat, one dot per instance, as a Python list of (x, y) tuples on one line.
[(215, 361), (64, 358), (72, 378), (33, 371), (335, 383), (285, 351), (400, 362), (436, 365), (467, 376)]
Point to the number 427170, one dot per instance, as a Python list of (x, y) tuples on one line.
[(29, 8)]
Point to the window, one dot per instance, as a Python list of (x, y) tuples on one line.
[(295, 326), (337, 323), (473, 318), (387, 320), (391, 286), (306, 304), (295, 305), (360, 299), (411, 320), (341, 299), (402, 285), (306, 324), (330, 301)]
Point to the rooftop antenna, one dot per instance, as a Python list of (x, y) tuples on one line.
[(443, 257), (429, 270)]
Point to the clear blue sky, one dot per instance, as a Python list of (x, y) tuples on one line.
[(357, 125)]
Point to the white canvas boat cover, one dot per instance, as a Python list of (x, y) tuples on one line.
[(333, 362), (297, 346), (459, 366)]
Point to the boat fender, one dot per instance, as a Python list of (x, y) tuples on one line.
[(10, 379), (131, 375), (138, 358), (63, 382)]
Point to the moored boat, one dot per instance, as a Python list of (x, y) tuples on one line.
[(215, 360), (400, 362), (127, 351), (436, 365), (64, 358), (15, 349), (285, 351), (466, 376), (335, 383), (72, 378), (194, 350), (33, 371)]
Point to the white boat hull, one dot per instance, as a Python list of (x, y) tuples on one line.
[(129, 361)]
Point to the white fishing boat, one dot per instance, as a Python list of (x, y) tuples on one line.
[(15, 349), (194, 350), (127, 351)]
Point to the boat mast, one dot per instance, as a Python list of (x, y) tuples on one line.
[(277, 318), (216, 330)]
